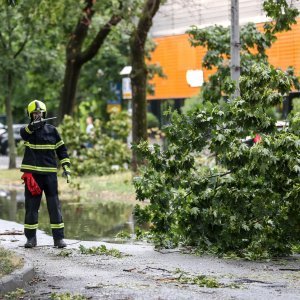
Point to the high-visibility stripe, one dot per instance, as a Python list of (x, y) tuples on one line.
[(43, 147), (35, 168), (40, 147), (57, 226), (59, 144), (31, 226), (27, 130), (65, 160)]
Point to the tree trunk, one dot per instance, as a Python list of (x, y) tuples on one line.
[(69, 89), (235, 46), (9, 116), (139, 102), (139, 77)]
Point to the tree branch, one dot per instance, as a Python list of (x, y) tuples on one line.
[(95, 45), (220, 174), (145, 21), (80, 32), (22, 46), (2, 41)]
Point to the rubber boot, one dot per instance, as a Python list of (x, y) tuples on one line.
[(31, 242), (60, 243)]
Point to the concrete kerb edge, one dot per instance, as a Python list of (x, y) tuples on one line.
[(17, 279)]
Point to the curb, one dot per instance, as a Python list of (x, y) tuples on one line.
[(17, 279)]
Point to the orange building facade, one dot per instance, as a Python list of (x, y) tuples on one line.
[(176, 56)]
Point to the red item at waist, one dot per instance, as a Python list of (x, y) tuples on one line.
[(31, 184)]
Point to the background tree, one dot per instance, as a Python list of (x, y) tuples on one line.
[(101, 75), (17, 24), (46, 63), (254, 43), (139, 74), (82, 47), (42, 63)]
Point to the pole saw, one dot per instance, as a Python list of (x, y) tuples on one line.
[(43, 120)]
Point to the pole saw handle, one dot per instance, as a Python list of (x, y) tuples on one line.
[(43, 120), (67, 173)]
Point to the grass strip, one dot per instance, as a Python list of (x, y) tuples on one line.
[(9, 262)]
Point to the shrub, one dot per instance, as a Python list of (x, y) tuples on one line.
[(192, 103), (296, 105), (152, 121), (99, 153)]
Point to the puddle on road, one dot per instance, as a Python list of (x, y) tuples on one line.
[(83, 221)]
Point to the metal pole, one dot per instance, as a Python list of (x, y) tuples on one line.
[(235, 46)]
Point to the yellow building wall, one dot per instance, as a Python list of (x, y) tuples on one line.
[(175, 55)]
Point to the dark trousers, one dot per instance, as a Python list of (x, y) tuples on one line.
[(48, 184)]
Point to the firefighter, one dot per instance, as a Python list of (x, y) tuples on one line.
[(43, 145)]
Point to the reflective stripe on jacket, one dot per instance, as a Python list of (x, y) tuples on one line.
[(42, 147)]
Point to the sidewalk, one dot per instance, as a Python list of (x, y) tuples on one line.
[(143, 273)]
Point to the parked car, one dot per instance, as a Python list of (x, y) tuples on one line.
[(281, 125), (4, 137)]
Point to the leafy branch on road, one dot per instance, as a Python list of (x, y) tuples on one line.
[(101, 250)]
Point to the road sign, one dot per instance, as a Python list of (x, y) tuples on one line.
[(126, 88)]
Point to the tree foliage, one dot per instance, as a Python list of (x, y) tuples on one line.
[(37, 69), (17, 24), (98, 79), (254, 43), (248, 203), (95, 22), (283, 16)]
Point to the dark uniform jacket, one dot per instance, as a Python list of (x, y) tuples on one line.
[(41, 148)]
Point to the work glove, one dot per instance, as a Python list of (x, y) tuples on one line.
[(36, 124), (67, 173)]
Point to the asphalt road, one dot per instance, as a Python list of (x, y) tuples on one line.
[(143, 273)]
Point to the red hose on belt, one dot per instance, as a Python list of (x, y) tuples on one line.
[(31, 184)]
